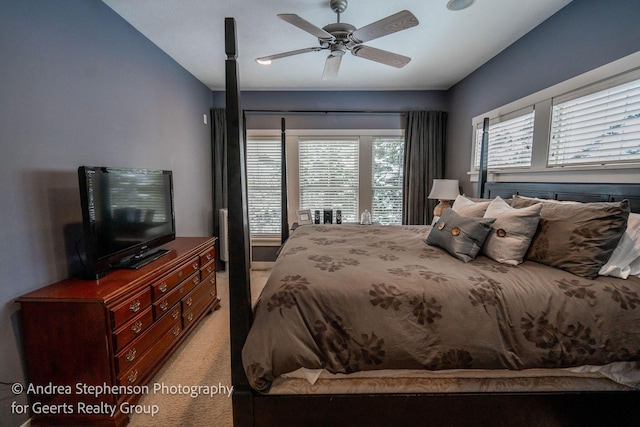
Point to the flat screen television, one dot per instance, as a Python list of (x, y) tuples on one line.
[(126, 215)]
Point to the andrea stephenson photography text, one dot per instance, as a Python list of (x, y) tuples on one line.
[(37, 394)]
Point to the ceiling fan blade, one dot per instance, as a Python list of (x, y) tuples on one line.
[(331, 67), (285, 54), (389, 25), (381, 56), (294, 19)]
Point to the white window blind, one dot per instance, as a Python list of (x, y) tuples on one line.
[(510, 141), (264, 167), (388, 166), (328, 174), (602, 127)]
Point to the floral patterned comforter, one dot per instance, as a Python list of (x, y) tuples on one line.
[(349, 298)]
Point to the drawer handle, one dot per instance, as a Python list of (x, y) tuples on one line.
[(176, 331), (189, 301), (212, 280), (131, 354), (175, 314), (180, 273), (190, 317), (137, 327), (209, 256), (196, 280), (209, 270), (212, 293), (163, 288), (135, 306), (195, 265), (164, 305), (133, 376)]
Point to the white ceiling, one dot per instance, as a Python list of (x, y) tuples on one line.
[(445, 47)]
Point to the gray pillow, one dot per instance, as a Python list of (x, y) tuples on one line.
[(461, 236), (511, 234), (576, 237)]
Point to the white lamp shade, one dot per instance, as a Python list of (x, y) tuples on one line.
[(444, 189)]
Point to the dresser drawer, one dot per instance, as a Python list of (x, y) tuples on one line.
[(130, 308), (199, 306), (132, 329), (130, 355), (208, 256), (167, 283), (137, 372), (210, 279), (208, 269), (164, 304), (195, 295)]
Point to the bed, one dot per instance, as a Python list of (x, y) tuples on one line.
[(372, 345)]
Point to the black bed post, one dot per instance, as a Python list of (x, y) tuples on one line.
[(283, 180), (484, 156), (239, 276)]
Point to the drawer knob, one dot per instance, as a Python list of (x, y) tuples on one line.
[(175, 314), (137, 327), (135, 306), (190, 317), (195, 265), (131, 354), (209, 257), (163, 287), (133, 376), (164, 305), (196, 280), (176, 331), (180, 273), (189, 301)]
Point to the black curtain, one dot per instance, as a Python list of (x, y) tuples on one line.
[(219, 165), (425, 136)]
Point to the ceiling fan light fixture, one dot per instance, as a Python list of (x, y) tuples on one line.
[(456, 5), (263, 61)]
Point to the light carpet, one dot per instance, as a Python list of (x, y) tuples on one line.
[(181, 392)]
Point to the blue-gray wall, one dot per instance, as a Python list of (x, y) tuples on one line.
[(332, 101), (80, 86), (580, 37)]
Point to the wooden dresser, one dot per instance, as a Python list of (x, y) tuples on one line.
[(92, 347)]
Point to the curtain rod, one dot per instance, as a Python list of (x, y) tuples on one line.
[(293, 112)]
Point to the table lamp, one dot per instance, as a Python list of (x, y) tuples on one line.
[(444, 190)]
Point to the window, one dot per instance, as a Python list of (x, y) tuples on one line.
[(388, 164), (587, 127), (510, 140), (264, 185), (602, 127), (329, 175), (350, 170)]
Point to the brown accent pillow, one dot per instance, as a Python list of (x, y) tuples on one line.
[(576, 237)]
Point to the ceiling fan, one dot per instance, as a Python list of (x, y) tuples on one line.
[(340, 37)]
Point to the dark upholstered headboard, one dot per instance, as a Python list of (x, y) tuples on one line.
[(581, 192)]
